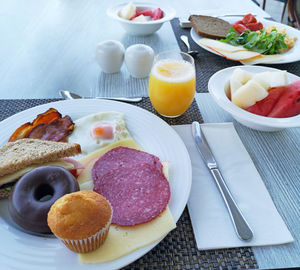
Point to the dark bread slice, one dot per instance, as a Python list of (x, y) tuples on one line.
[(210, 27), (15, 156)]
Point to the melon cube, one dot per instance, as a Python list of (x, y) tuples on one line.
[(241, 75), (248, 94)]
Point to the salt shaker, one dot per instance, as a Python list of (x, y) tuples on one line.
[(110, 55), (139, 59)]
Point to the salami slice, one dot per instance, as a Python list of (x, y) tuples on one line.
[(123, 156), (138, 193)]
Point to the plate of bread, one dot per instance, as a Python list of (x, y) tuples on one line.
[(207, 32), (92, 184)]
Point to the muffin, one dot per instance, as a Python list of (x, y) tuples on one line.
[(81, 220)]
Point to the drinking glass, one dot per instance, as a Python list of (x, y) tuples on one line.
[(172, 83)]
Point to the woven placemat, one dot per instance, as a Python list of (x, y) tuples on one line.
[(178, 249), (207, 63)]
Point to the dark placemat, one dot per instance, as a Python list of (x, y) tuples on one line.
[(9, 107), (207, 63), (178, 249)]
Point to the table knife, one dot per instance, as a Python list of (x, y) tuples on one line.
[(239, 222)]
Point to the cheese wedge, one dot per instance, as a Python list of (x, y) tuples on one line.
[(124, 240)]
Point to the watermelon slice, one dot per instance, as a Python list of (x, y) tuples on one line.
[(288, 104), (265, 106), (283, 101)]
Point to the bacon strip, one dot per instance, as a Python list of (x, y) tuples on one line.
[(57, 131), (23, 131)]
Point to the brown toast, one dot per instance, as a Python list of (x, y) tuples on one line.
[(210, 27), (15, 156)]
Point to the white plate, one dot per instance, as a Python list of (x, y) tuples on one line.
[(19, 250), (216, 87), (290, 56)]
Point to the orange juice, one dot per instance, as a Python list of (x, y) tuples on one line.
[(172, 86)]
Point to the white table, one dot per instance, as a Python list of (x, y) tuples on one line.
[(47, 46)]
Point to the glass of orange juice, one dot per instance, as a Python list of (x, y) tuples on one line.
[(172, 83)]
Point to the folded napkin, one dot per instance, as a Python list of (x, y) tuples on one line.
[(211, 222)]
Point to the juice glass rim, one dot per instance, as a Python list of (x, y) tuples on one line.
[(192, 61)]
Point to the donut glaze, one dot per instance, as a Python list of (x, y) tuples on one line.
[(34, 194)]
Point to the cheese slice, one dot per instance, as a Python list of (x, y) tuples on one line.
[(220, 46), (265, 59), (16, 175), (124, 240), (237, 53), (96, 154)]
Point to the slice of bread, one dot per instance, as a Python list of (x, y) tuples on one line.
[(210, 27), (15, 156)]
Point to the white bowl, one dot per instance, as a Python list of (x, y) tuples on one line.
[(141, 28), (217, 87)]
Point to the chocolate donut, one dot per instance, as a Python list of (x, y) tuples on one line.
[(34, 194)]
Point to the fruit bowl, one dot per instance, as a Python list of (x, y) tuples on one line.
[(141, 28), (218, 87)]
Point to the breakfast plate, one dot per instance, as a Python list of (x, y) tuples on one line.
[(290, 56), (19, 250)]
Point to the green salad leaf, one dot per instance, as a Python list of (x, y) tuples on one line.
[(258, 41)]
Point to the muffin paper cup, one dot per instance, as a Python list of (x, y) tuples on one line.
[(90, 243)]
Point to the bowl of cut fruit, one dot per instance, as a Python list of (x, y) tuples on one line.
[(261, 98), (139, 18)]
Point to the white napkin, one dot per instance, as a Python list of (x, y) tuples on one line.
[(211, 223)]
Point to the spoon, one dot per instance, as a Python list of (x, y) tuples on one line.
[(187, 44), (65, 94)]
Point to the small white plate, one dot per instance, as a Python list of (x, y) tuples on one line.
[(216, 87), (19, 250), (290, 56)]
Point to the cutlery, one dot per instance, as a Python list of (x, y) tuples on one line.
[(65, 94), (187, 44), (239, 222)]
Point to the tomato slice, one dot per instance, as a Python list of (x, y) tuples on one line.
[(240, 28), (254, 26), (249, 18), (238, 22)]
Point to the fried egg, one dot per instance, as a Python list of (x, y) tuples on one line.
[(98, 130)]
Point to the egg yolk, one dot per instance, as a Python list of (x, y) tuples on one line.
[(103, 131)]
